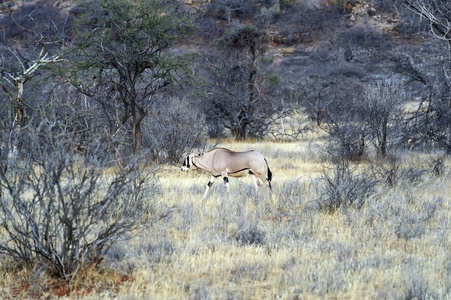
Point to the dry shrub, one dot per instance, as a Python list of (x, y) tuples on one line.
[(343, 187), (392, 171), (172, 128), (61, 213), (250, 236)]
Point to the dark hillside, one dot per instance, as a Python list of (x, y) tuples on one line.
[(357, 39)]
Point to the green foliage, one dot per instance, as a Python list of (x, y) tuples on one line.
[(286, 4), (126, 31), (274, 80), (267, 60), (339, 5), (237, 103), (123, 46), (242, 38)]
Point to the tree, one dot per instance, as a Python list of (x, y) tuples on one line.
[(382, 103), (433, 119), (436, 12), (339, 111), (237, 99), (171, 129), (122, 56), (357, 116), (13, 81), (27, 47)]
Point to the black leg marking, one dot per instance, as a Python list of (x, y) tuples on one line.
[(226, 180)]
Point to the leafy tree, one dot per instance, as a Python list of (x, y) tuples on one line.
[(122, 56)]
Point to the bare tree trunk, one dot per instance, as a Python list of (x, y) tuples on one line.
[(19, 105), (17, 80), (251, 80), (17, 122), (134, 133), (139, 138), (239, 132), (383, 138)]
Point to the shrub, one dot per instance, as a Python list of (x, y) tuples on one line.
[(365, 38), (308, 20), (41, 21), (250, 236), (240, 98), (342, 187), (230, 9), (390, 170), (438, 165), (62, 210), (339, 112), (356, 116), (171, 129)]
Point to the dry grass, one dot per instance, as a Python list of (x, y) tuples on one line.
[(260, 247)]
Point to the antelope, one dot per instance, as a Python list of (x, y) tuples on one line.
[(224, 162)]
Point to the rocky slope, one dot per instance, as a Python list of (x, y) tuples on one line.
[(312, 40)]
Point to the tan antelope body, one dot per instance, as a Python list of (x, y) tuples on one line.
[(224, 162)]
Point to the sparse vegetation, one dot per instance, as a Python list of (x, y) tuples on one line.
[(61, 212), (286, 246), (348, 101)]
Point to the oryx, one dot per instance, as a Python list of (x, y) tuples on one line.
[(224, 162)]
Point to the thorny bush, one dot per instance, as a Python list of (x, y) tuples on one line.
[(343, 187), (63, 210)]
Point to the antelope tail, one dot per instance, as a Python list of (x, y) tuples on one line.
[(269, 173)]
